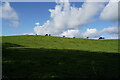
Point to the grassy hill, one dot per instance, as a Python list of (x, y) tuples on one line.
[(46, 57), (49, 42)]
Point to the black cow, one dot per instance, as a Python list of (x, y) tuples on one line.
[(101, 38), (46, 34)]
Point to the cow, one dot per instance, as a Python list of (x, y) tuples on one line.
[(101, 38), (63, 36), (46, 34)]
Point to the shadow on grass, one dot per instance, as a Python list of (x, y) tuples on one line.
[(6, 45), (40, 63)]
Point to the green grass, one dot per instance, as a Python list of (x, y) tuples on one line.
[(63, 43), (50, 57)]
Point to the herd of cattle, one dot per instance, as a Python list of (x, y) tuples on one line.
[(74, 37)]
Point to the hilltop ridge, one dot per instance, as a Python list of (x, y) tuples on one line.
[(52, 42)]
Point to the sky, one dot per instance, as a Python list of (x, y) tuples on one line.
[(70, 19)]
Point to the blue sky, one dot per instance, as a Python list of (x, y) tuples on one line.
[(28, 13), (31, 12)]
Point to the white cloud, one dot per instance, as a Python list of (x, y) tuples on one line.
[(9, 13), (110, 12), (114, 37), (37, 23), (67, 20), (72, 33), (28, 34), (114, 0), (65, 17), (110, 30), (92, 33)]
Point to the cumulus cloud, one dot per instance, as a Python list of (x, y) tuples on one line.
[(72, 33), (66, 17), (112, 32), (28, 34), (67, 20), (110, 12), (92, 33), (9, 13), (37, 23)]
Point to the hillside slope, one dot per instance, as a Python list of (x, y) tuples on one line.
[(47, 57), (49, 42)]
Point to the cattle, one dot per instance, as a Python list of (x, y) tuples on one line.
[(46, 34), (73, 37), (63, 36), (101, 38)]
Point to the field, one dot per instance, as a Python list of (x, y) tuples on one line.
[(48, 57)]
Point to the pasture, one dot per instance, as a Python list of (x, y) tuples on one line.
[(48, 57)]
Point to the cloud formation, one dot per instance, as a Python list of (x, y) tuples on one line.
[(110, 30), (28, 34), (66, 17), (67, 20), (37, 23), (110, 12), (9, 13), (113, 32), (72, 33), (92, 33)]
